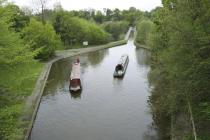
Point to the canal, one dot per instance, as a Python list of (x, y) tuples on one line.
[(107, 108)]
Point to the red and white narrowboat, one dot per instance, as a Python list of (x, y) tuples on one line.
[(75, 82)]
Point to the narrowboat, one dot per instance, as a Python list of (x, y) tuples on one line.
[(75, 82), (121, 67)]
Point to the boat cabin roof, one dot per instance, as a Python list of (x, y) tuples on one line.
[(75, 73), (123, 59)]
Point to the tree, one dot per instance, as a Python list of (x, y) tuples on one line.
[(132, 15), (41, 6), (116, 28), (12, 48), (109, 13), (117, 14), (98, 17), (74, 30), (41, 38), (18, 20), (181, 68), (144, 29)]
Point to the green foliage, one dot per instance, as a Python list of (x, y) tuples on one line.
[(116, 28), (12, 15), (98, 17), (204, 111), (169, 3), (18, 72), (12, 49), (144, 30), (85, 14), (16, 84), (41, 38), (9, 122), (74, 30), (132, 15), (17, 19), (180, 52)]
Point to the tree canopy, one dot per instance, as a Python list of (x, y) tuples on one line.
[(180, 52), (74, 30), (41, 38), (12, 48)]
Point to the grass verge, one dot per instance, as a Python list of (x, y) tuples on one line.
[(16, 84)]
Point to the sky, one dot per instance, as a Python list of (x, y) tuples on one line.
[(144, 5)]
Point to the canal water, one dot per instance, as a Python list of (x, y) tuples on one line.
[(107, 108)]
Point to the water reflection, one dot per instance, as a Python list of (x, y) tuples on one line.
[(151, 134), (117, 83), (57, 79), (142, 56), (107, 109), (76, 95), (97, 57)]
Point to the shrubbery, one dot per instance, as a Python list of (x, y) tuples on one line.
[(144, 29), (12, 48), (116, 28), (180, 67), (41, 38), (74, 30)]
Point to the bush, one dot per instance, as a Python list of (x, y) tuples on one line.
[(95, 35), (41, 38), (74, 30), (16, 84), (12, 49), (116, 28), (144, 29)]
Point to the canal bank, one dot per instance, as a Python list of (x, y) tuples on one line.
[(33, 101), (141, 46), (94, 114)]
